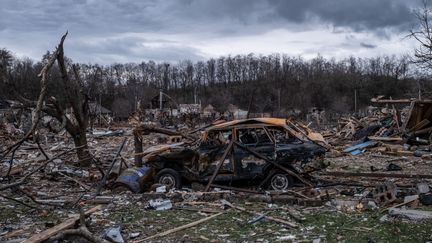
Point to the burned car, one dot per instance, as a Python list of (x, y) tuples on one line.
[(269, 152)]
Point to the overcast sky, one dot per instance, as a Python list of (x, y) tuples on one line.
[(169, 30)]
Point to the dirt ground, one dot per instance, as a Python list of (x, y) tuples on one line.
[(61, 188)]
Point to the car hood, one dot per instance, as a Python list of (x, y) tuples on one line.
[(299, 151)]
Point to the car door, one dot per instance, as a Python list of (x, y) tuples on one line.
[(257, 139), (211, 153)]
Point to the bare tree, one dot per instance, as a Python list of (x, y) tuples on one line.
[(423, 35), (76, 101), (281, 82), (5, 63)]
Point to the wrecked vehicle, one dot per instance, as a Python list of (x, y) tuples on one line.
[(268, 152)]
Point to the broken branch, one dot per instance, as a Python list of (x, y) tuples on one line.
[(47, 234)]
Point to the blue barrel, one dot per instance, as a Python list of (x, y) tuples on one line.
[(134, 178)]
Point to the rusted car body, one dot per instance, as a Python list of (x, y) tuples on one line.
[(268, 152)]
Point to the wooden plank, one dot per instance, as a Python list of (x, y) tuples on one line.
[(19, 232), (404, 153), (388, 139), (420, 125), (45, 235), (400, 204), (404, 126), (419, 114), (179, 228), (423, 131)]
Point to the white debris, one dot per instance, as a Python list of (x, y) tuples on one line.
[(410, 213), (286, 237), (160, 204), (161, 189), (114, 235), (423, 188)]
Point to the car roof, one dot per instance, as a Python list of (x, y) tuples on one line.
[(300, 131)]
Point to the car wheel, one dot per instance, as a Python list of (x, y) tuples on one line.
[(280, 182), (169, 178)]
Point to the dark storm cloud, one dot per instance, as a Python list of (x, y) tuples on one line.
[(40, 22), (83, 15), (136, 49), (366, 45), (204, 15), (355, 14)]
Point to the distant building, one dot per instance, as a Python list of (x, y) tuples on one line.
[(190, 108), (99, 114), (235, 113), (96, 109), (209, 111), (9, 108)]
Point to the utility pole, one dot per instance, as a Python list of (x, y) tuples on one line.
[(355, 100), (279, 101), (419, 90), (160, 99), (100, 108)]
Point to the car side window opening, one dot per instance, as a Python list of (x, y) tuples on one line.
[(281, 135), (253, 136), (219, 137), (217, 141)]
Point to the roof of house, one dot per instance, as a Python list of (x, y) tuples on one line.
[(95, 108)]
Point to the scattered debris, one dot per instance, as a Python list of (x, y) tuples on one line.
[(278, 220), (423, 188), (385, 194), (183, 177), (161, 189), (426, 199), (160, 204), (134, 235), (114, 235)]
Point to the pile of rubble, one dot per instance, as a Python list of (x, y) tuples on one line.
[(405, 131), (45, 196)]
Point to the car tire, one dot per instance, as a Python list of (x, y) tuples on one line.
[(280, 181), (169, 178)]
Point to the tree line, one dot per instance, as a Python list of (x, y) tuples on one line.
[(274, 83)]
